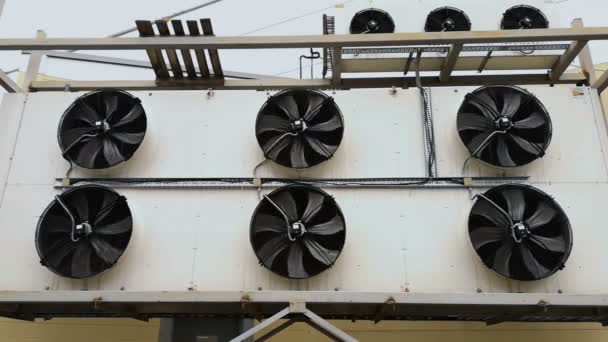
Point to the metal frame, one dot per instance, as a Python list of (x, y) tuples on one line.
[(552, 67)]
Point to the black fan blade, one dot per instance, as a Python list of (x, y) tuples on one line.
[(295, 262), (271, 249), (361, 20), (486, 210), (319, 147), (332, 124), (58, 252), (120, 227), (88, 114), (108, 253), (71, 135), (271, 123), (471, 121), (531, 263), (135, 113), (502, 258), (535, 120), (128, 138), (57, 224), (503, 154), (287, 203), (276, 148), (514, 198), (81, 261), (105, 210), (544, 214), (484, 235), (87, 156), (552, 244), (270, 223), (313, 206), (524, 144), (298, 159), (288, 105), (511, 103), (331, 227), (485, 103), (81, 204), (111, 104), (111, 152), (322, 254), (315, 104), (481, 139)]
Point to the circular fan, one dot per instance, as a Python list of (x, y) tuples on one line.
[(102, 129), (299, 128), (84, 231), (520, 232), (523, 17), (504, 125), (447, 19), (297, 231), (372, 20)]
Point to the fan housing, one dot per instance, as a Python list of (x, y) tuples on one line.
[(84, 231), (299, 128), (524, 17), (102, 129), (520, 232), (372, 20), (297, 231), (505, 126), (446, 19)]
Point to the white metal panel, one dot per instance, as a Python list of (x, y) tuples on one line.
[(397, 240), (11, 108)]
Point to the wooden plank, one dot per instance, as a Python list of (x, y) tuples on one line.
[(176, 67), (314, 41), (33, 66), (200, 53), (601, 83), (450, 61), (585, 55), (347, 83), (469, 63), (213, 53), (336, 69), (566, 59), (178, 28), (8, 84), (154, 55)]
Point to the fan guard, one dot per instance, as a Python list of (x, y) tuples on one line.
[(299, 128), (520, 232), (372, 20), (312, 239), (505, 126), (88, 235), (524, 17), (102, 129), (447, 19)]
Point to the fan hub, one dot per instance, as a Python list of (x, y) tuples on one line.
[(103, 126), (83, 229), (519, 231), (503, 123), (299, 126), (297, 229), (449, 24), (372, 25), (525, 22)]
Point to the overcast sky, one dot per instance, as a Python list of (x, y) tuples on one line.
[(82, 18)]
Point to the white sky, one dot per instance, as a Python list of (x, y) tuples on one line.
[(85, 18)]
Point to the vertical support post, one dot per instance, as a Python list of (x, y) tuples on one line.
[(336, 70), (450, 62), (585, 55), (33, 66), (213, 53)]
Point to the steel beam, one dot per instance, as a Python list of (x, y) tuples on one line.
[(601, 83), (567, 58), (33, 66), (450, 62), (8, 84), (316, 41)]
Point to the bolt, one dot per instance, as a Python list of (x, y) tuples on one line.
[(337, 289), (560, 291), (149, 94), (47, 287), (122, 288), (479, 290), (259, 288)]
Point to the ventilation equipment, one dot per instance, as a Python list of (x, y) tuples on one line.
[(372, 20), (297, 231), (520, 232), (523, 17), (504, 126), (447, 19), (84, 231), (102, 129), (299, 128)]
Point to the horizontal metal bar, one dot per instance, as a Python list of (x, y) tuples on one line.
[(248, 183), (347, 83), (468, 48), (274, 42)]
